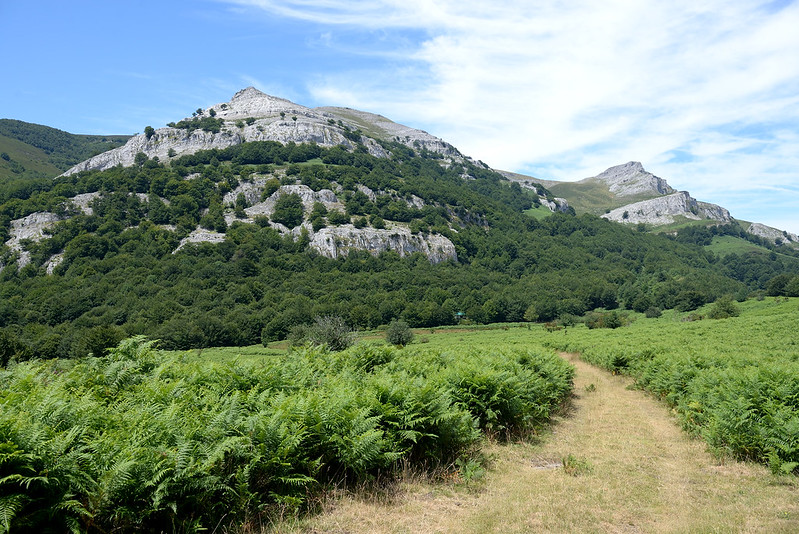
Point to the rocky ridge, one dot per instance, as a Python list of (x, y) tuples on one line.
[(255, 116), (772, 234)]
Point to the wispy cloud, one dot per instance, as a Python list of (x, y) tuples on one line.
[(704, 92)]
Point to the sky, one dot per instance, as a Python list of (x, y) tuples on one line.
[(704, 94)]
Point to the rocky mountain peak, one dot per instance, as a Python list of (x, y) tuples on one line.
[(632, 179), (251, 102), (248, 93), (252, 115)]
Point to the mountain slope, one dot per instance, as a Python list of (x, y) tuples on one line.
[(236, 244), (35, 151)]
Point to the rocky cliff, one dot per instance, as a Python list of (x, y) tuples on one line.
[(667, 209), (339, 241), (631, 179)]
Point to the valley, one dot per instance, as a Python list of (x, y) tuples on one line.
[(194, 335)]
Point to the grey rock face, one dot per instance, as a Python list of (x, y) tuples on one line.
[(339, 241), (308, 196), (31, 227), (665, 210), (556, 205), (200, 235), (772, 234), (270, 119), (631, 179)]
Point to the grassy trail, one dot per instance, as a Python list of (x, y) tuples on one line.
[(634, 470)]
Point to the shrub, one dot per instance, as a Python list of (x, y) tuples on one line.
[(723, 308), (399, 333), (336, 217), (612, 319), (378, 222), (271, 185), (653, 312), (317, 223), (288, 210), (329, 330)]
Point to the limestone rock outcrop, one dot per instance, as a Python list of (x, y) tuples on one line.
[(632, 179), (666, 209), (31, 228), (338, 241), (772, 234), (556, 205)]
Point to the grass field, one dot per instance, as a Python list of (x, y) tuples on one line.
[(593, 196), (541, 212), (727, 244), (28, 156)]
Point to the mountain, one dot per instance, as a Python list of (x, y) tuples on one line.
[(34, 151), (249, 219), (255, 116), (629, 194)]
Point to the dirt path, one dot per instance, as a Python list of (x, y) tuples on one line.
[(634, 471)]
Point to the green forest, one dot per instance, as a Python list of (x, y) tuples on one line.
[(120, 275)]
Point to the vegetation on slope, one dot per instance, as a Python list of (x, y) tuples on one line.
[(34, 151), (120, 276), (140, 441)]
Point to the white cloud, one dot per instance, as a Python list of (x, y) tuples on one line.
[(570, 88)]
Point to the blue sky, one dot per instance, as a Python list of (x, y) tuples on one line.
[(705, 96)]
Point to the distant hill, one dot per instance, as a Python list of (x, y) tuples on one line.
[(629, 194), (30, 150)]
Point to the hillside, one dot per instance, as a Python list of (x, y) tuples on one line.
[(629, 194), (35, 151), (241, 224)]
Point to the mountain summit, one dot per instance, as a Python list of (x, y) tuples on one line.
[(252, 115), (632, 179)]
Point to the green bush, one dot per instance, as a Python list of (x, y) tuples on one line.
[(399, 333), (611, 319), (329, 331), (653, 312), (336, 217), (288, 210), (723, 308), (271, 185)]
